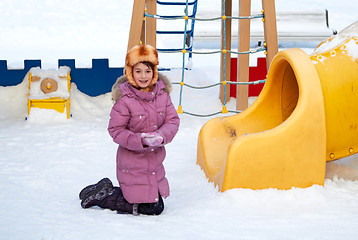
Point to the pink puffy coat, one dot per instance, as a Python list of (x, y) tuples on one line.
[(140, 170)]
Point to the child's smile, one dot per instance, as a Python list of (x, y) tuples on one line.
[(142, 75)]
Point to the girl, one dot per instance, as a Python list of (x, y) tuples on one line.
[(143, 119)]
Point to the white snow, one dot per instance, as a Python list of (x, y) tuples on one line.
[(47, 160), (58, 75), (348, 35), (352, 49)]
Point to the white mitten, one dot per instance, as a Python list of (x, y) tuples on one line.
[(151, 139)]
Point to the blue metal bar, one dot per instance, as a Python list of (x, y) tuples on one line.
[(172, 49), (247, 17), (217, 51), (192, 17), (173, 32), (190, 44), (208, 115), (177, 3), (220, 83), (173, 17), (224, 56), (183, 65), (189, 34)]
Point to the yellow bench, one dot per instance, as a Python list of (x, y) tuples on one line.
[(45, 95)]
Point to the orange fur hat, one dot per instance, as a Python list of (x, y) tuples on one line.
[(141, 53)]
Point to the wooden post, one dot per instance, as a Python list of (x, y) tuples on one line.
[(136, 23), (151, 24), (270, 30), (225, 45), (243, 59)]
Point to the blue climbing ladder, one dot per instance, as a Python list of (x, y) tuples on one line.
[(189, 32)]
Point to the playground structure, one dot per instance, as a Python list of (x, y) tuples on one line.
[(285, 138), (305, 115), (143, 30), (100, 78), (302, 119), (50, 89)]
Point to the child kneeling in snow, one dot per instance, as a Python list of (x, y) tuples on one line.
[(143, 120)]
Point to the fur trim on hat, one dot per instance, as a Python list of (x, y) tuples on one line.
[(141, 53), (117, 93)]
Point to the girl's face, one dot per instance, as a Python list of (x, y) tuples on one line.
[(142, 75)]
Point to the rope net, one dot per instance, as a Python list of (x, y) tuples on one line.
[(188, 50)]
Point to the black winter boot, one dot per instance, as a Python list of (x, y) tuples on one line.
[(152, 208), (94, 194), (117, 202), (91, 189)]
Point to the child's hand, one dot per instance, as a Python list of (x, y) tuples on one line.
[(151, 139)]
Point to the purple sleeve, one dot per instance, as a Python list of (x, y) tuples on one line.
[(117, 128), (171, 125)]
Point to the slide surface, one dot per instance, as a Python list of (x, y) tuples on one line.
[(304, 116)]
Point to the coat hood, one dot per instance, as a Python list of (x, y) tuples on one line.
[(117, 93)]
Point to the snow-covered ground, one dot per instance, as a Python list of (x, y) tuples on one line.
[(46, 160)]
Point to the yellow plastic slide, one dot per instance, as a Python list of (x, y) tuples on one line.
[(306, 114)]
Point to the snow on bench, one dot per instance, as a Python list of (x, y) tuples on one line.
[(291, 26), (49, 83)]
